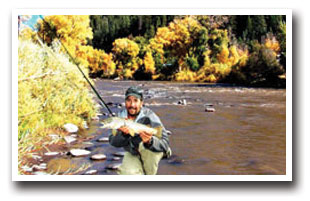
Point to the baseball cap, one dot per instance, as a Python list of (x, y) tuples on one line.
[(134, 91)]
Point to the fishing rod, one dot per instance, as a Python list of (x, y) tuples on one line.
[(93, 88), (77, 65)]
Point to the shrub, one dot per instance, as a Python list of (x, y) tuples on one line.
[(51, 91)]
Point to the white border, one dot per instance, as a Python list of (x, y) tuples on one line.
[(153, 11)]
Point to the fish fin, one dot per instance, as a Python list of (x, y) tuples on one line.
[(132, 132), (159, 131)]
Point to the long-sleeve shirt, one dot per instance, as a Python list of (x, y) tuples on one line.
[(131, 144)]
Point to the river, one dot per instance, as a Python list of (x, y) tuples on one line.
[(246, 134)]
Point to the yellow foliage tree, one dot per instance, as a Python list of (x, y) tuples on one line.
[(149, 63), (72, 30), (125, 53)]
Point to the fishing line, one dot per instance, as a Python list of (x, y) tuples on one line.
[(77, 65), (93, 88)]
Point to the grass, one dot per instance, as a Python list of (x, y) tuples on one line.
[(51, 93)]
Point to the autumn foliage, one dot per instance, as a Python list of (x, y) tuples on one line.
[(190, 48)]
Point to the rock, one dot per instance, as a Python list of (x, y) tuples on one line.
[(42, 166), (98, 157), (27, 169), (114, 166), (109, 104), (36, 157), (169, 132), (118, 105), (98, 106), (79, 152), (182, 102), (70, 139), (64, 153), (55, 153), (87, 144), (209, 109), (89, 172), (40, 173), (103, 139), (54, 136), (120, 154), (85, 126), (95, 118), (116, 159), (208, 105), (71, 128)]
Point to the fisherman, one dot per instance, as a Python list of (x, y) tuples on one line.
[(143, 151)]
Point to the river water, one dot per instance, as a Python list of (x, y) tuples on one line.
[(246, 134)]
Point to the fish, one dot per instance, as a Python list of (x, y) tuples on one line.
[(134, 127)]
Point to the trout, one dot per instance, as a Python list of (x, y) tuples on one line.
[(134, 127)]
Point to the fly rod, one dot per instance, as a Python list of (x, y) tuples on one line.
[(77, 65)]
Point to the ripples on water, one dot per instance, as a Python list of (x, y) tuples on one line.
[(245, 135)]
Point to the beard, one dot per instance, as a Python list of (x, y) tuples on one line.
[(133, 112)]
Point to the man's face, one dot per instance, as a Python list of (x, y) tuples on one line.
[(133, 105)]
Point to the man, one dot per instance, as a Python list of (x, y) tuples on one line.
[(143, 151)]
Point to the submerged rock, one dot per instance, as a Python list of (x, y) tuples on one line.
[(208, 105), (116, 159), (114, 166), (175, 160), (71, 128), (98, 157), (120, 153), (79, 152)]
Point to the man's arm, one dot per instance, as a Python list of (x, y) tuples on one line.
[(118, 138), (158, 144)]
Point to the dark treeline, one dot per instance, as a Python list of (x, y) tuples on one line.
[(248, 28), (107, 28)]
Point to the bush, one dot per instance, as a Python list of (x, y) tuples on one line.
[(51, 91), (262, 68), (192, 63)]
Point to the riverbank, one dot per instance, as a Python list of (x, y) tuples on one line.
[(51, 94)]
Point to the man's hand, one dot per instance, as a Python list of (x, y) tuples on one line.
[(124, 129), (146, 137)]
